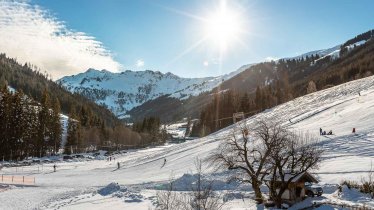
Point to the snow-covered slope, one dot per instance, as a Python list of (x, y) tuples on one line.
[(64, 123), (121, 92), (347, 156), (333, 52), (321, 53)]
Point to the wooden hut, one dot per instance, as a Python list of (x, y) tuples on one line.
[(296, 189)]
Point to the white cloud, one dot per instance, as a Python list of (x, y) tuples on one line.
[(139, 63), (206, 63), (30, 34)]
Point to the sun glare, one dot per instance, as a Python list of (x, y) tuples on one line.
[(222, 26)]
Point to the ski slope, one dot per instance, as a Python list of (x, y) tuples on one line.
[(347, 156)]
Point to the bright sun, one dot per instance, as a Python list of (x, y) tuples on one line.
[(223, 26)]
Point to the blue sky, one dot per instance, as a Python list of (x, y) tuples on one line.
[(154, 32)]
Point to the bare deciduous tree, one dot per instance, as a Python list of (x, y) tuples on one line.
[(311, 87), (248, 153), (168, 199), (367, 183), (293, 155), (201, 196), (268, 150)]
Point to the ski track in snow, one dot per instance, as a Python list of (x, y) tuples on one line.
[(347, 156)]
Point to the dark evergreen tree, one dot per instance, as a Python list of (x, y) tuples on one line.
[(56, 127), (72, 133), (43, 132)]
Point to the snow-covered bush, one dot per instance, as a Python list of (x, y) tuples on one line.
[(350, 184), (109, 189)]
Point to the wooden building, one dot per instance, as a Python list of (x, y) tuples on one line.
[(296, 191)]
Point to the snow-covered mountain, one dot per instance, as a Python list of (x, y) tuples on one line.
[(120, 92)]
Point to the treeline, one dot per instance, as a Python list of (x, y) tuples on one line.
[(26, 119), (265, 73), (358, 63), (28, 128), (361, 37), (151, 127), (98, 136), (33, 82), (148, 125), (219, 113), (32, 129)]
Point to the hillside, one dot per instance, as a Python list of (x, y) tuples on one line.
[(352, 60), (31, 122), (32, 82), (347, 156)]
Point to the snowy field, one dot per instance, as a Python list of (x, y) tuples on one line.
[(87, 184)]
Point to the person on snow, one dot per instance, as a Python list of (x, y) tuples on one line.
[(118, 165), (164, 163), (54, 167), (330, 132), (320, 131)]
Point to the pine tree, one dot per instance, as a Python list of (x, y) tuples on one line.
[(279, 93), (245, 105), (258, 98), (56, 127), (30, 136), (103, 133), (43, 133), (286, 86), (17, 123), (5, 116), (72, 137)]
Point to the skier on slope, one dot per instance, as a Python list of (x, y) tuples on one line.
[(164, 163)]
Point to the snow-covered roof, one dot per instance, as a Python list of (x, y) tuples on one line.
[(309, 177)]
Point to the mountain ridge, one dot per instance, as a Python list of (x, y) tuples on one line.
[(120, 92)]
